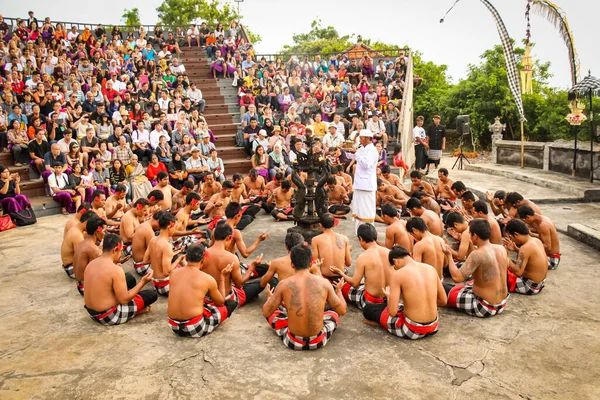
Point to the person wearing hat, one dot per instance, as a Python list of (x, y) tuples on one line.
[(261, 140), (276, 137), (206, 146), (365, 180), (333, 138), (436, 142), (196, 166)]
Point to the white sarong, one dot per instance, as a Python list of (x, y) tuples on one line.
[(363, 207)]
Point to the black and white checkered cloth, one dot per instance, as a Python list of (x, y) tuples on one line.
[(403, 327), (588, 83), (528, 287), (69, 271), (279, 322), (553, 261), (141, 268), (116, 315), (201, 325), (162, 286), (509, 55), (80, 287), (463, 298)]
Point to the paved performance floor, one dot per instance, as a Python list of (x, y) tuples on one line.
[(546, 346)]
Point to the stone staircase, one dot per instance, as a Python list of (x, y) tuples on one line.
[(221, 111)]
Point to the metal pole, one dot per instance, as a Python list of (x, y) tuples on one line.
[(591, 138), (574, 153), (522, 143)]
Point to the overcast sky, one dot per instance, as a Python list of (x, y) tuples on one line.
[(468, 31)]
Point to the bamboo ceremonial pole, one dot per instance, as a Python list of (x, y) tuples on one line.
[(522, 144)]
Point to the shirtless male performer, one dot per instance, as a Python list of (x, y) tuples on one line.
[(514, 200), (396, 233), (234, 213), (421, 292), (189, 315), (373, 265), (392, 179), (73, 237), (155, 198), (130, 221), (387, 194), (528, 274), (167, 190), (428, 202), (282, 197), (338, 198), (210, 187), (178, 200), (115, 205), (239, 195), (333, 248), (416, 183), (87, 250), (480, 210), (255, 186), (433, 221), (546, 232), (458, 228), (98, 204), (487, 264), (218, 258), (76, 218), (215, 208), (339, 172), (282, 266), (428, 248), (303, 324), (160, 254), (186, 229), (141, 238), (443, 187), (112, 296)]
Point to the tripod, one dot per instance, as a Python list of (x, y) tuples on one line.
[(461, 157)]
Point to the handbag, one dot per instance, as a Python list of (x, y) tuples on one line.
[(6, 223), (24, 217)]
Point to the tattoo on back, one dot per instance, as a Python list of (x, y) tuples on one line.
[(295, 299), (339, 242)]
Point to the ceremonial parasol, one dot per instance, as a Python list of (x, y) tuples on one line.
[(589, 86)]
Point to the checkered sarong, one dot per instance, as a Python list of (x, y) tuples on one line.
[(69, 270), (162, 286), (184, 241), (335, 278), (141, 268), (118, 314), (359, 296), (127, 250), (553, 261), (237, 295), (403, 327), (279, 321), (521, 285), (80, 287), (201, 325), (463, 298)]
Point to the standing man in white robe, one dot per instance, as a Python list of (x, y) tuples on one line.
[(365, 180)]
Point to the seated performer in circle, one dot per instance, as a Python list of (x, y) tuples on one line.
[(487, 264), (112, 296), (188, 314), (421, 291), (303, 324)]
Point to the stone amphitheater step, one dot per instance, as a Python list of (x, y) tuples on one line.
[(224, 118), (237, 165), (230, 152), (220, 108)]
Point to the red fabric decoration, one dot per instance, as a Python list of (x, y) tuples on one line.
[(193, 202)]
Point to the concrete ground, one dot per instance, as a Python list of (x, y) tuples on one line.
[(546, 346)]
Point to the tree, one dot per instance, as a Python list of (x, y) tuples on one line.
[(131, 18), (320, 40), (253, 37), (184, 12)]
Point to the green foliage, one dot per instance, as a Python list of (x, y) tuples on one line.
[(253, 37), (320, 40), (183, 12), (131, 18), (485, 94)]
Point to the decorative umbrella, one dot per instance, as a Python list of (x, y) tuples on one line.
[(589, 86)]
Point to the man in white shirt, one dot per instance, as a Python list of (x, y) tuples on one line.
[(117, 84), (339, 125), (333, 138), (141, 141), (365, 180), (196, 166), (176, 68), (261, 140), (377, 127), (156, 134), (193, 35), (420, 137), (66, 141), (195, 96), (72, 35), (164, 101)]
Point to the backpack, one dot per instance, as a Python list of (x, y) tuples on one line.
[(24, 217)]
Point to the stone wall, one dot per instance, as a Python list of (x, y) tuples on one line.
[(556, 157), (561, 160), (508, 152)]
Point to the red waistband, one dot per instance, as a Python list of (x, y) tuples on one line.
[(422, 329), (106, 314), (299, 341), (195, 320), (372, 299), (161, 283), (554, 255)]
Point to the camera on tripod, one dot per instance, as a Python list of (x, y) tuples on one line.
[(463, 128)]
